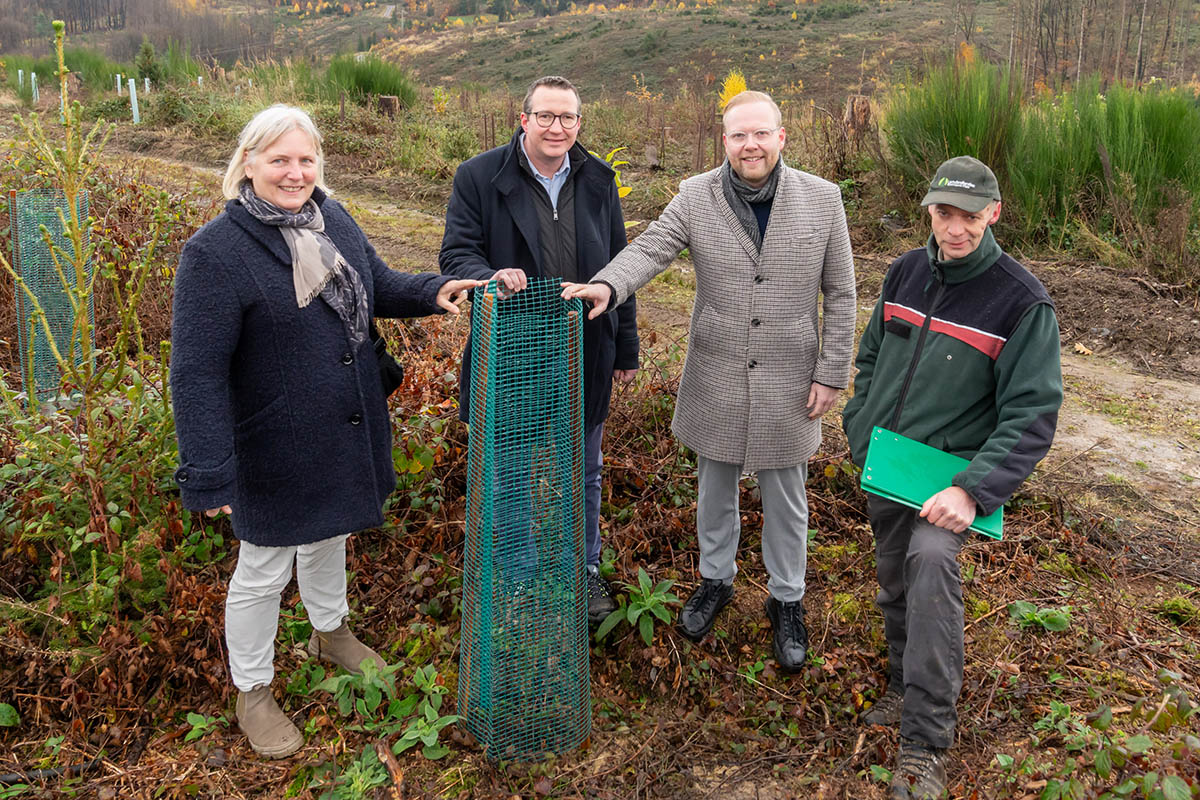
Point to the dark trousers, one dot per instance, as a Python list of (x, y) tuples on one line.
[(593, 463), (920, 595), (514, 506)]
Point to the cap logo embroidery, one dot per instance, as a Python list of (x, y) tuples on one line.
[(956, 184)]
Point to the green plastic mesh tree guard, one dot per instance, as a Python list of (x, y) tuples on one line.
[(524, 689), (28, 211)]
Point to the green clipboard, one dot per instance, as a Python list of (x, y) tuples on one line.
[(908, 472)]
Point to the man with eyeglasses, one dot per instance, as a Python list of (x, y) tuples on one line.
[(543, 206), (765, 241)]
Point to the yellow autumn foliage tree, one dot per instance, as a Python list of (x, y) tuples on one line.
[(734, 84)]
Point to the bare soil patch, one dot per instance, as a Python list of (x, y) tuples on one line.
[(1156, 328)]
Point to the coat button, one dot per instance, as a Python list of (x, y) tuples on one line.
[(355, 419), (756, 322), (759, 279), (181, 475), (752, 364), (347, 358)]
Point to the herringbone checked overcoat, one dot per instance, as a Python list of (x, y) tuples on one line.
[(753, 345)]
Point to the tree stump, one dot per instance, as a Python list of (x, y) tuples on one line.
[(857, 117), (651, 157), (389, 104)]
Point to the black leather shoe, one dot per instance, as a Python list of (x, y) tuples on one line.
[(791, 637), (700, 611), (600, 601)]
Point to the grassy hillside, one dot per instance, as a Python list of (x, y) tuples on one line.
[(826, 51)]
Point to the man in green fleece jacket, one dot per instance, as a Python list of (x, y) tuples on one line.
[(961, 353)]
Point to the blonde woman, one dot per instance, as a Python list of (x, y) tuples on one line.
[(279, 410)]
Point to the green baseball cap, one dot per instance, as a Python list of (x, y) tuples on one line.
[(965, 183)]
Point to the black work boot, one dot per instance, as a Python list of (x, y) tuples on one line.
[(791, 637), (600, 601), (700, 611), (920, 772), (886, 710)]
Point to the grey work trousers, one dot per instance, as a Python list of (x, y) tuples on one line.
[(785, 525), (920, 595)]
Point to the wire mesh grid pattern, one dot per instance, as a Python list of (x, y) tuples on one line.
[(524, 688), (28, 212)]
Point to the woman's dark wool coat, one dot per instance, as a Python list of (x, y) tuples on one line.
[(276, 415)]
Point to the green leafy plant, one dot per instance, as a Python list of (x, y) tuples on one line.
[(307, 677), (362, 694), (363, 775), (1028, 615), (1104, 761), (9, 718), (90, 466), (608, 563), (373, 698), (645, 603), (202, 540), (751, 671), (1180, 610), (202, 725), (430, 684), (424, 729)]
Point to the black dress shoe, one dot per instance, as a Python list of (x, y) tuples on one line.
[(791, 637), (700, 611)]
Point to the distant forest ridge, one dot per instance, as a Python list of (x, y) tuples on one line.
[(1051, 41), (207, 29)]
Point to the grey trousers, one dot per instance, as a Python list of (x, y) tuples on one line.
[(785, 525), (920, 594)]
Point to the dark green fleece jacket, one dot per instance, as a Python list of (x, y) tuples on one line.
[(962, 355)]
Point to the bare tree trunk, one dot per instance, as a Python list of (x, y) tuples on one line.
[(1122, 22), (1012, 32), (1165, 50), (1185, 32), (1027, 51), (1137, 62), (1107, 39), (1082, 33), (966, 12)]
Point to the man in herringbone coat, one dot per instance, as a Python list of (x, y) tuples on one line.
[(763, 366)]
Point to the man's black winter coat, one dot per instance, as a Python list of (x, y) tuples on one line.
[(492, 224)]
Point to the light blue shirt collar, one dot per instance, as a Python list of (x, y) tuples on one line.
[(553, 185)]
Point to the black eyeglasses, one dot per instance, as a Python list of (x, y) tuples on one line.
[(545, 119)]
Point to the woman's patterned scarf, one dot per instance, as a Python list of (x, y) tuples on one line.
[(318, 267)]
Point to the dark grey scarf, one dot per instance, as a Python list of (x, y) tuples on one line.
[(318, 267), (740, 195)]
